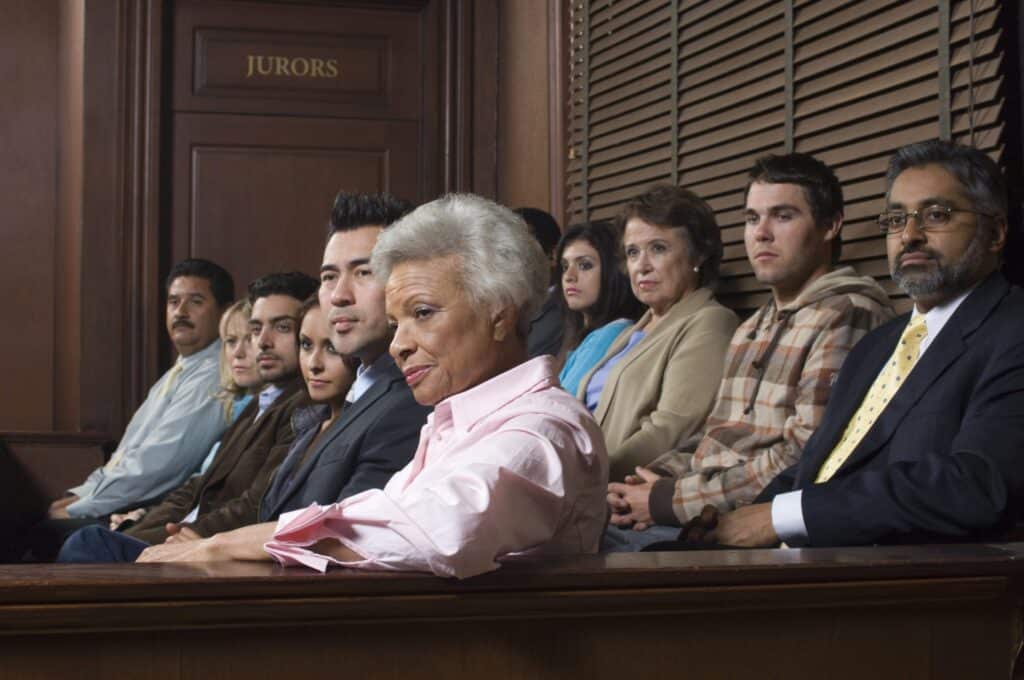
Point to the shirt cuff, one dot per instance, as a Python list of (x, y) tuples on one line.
[(660, 502), (82, 490), (788, 518), (299, 529), (82, 508)]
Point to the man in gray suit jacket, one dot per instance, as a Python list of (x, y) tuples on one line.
[(376, 434)]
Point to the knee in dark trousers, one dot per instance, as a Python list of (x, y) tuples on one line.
[(99, 544)]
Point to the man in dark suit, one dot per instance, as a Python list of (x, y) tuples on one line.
[(377, 433), (923, 438)]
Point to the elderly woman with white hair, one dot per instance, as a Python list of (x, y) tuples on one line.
[(508, 463)]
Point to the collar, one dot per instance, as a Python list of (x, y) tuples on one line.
[(211, 351), (937, 316), (684, 307), (306, 417), (267, 397), (367, 376), (466, 409)]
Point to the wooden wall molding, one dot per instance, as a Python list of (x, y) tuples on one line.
[(469, 84), (107, 237)]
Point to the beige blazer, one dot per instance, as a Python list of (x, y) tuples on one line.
[(663, 389)]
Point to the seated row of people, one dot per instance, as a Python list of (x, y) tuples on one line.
[(508, 463)]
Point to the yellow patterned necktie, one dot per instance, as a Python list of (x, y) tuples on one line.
[(882, 391), (172, 377)]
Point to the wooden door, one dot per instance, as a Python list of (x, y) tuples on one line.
[(277, 107)]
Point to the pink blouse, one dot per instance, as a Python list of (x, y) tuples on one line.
[(512, 466)]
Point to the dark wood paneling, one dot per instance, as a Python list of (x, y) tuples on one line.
[(253, 193), (910, 612), (86, 127), (35, 468), (54, 462), (108, 285), (28, 174), (524, 133), (103, 284), (312, 60)]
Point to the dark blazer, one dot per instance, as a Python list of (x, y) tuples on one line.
[(370, 441), (546, 329), (945, 460), (249, 453)]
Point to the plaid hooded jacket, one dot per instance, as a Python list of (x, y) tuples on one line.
[(778, 375)]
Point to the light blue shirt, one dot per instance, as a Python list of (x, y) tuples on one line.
[(600, 376), (787, 508), (590, 351), (366, 376), (267, 396), (164, 442), (238, 405)]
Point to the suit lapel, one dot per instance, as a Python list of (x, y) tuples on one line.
[(688, 305), (239, 441), (224, 464), (846, 398), (944, 350), (348, 416)]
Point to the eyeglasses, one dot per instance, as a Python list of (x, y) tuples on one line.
[(930, 218)]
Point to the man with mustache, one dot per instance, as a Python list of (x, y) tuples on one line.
[(377, 432), (246, 461), (923, 437), (173, 428), (250, 451), (780, 364)]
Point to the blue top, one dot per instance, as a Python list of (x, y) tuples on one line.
[(588, 353), (238, 405), (600, 376)]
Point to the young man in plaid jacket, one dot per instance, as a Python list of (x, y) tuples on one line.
[(780, 365)]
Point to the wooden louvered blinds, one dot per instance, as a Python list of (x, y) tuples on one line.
[(692, 91)]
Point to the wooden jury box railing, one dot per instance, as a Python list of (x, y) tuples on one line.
[(901, 612)]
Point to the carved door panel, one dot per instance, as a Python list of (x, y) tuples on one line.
[(277, 107)]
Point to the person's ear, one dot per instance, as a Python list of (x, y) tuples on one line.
[(832, 232), (503, 323), (998, 236)]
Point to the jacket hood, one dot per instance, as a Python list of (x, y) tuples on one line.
[(842, 281)]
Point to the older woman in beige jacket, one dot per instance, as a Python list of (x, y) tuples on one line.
[(658, 380)]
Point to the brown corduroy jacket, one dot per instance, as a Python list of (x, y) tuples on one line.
[(251, 450)]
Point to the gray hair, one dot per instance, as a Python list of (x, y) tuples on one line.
[(502, 264), (979, 175)]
